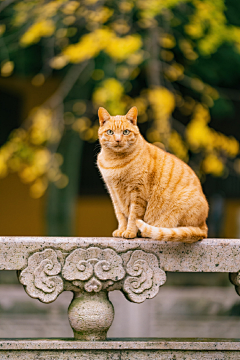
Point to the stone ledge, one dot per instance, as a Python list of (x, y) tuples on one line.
[(208, 255), (122, 344)]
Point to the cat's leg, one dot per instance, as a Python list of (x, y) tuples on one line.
[(137, 211), (121, 218)]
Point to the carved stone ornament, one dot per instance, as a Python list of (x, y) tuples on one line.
[(235, 280), (144, 276), (90, 273), (40, 276), (94, 269)]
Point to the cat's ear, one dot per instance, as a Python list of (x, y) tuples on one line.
[(132, 115), (103, 115)]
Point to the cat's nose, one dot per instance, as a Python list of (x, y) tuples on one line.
[(118, 138)]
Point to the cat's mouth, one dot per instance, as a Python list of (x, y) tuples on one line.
[(118, 145)]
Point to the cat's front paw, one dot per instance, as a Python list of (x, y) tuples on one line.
[(118, 233), (128, 234)]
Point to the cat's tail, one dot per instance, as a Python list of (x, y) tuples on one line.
[(187, 234)]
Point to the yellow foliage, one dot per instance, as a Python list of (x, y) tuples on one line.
[(209, 24), (213, 165), (162, 100), (136, 58), (60, 33), (163, 103), (211, 92), (100, 16), (187, 49), (167, 41), (141, 104), (201, 136), (121, 26), (44, 28), (41, 129), (89, 45), (27, 153), (38, 80), (167, 55), (7, 68), (197, 84), (70, 7), (48, 9), (178, 146), (38, 167), (109, 94), (121, 48), (153, 135), (123, 72), (174, 72), (59, 62), (3, 167), (186, 105), (125, 6), (69, 20), (38, 188), (151, 8), (81, 124), (197, 132), (2, 29)]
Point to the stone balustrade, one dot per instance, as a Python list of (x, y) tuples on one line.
[(90, 268)]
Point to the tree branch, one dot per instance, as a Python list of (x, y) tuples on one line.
[(66, 85), (154, 65)]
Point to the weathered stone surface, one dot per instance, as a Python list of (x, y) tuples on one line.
[(119, 355), (179, 355), (61, 355), (90, 273), (92, 270), (144, 278), (153, 349), (96, 265), (40, 276), (101, 267), (90, 315), (208, 255), (122, 344)]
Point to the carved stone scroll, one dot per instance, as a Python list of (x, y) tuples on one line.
[(93, 269), (40, 277), (144, 277)]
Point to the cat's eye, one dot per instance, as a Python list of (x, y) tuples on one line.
[(126, 132), (110, 132)]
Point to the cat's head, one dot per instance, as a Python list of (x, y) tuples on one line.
[(118, 133)]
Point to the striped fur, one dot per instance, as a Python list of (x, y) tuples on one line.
[(151, 190), (188, 234)]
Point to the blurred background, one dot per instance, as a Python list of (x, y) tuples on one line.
[(179, 63)]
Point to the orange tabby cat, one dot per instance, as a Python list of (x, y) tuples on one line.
[(147, 183)]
